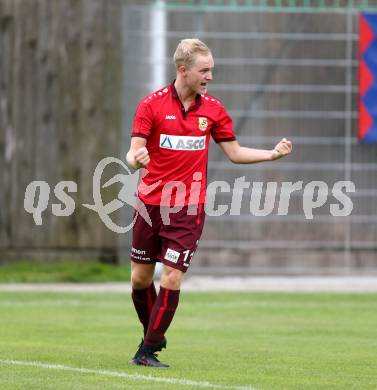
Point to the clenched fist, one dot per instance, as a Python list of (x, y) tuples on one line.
[(138, 159), (283, 148)]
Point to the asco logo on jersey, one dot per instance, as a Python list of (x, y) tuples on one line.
[(176, 142)]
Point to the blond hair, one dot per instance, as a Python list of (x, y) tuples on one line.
[(186, 51)]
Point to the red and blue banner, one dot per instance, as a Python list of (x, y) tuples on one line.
[(368, 77)]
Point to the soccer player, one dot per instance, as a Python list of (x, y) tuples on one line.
[(170, 138)]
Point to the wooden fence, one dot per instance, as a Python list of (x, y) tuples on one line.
[(60, 113)]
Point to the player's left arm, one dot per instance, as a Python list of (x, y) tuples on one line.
[(242, 155)]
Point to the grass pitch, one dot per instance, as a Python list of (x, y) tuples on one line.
[(63, 271), (217, 340)]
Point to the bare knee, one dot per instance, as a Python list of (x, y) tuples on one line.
[(141, 276), (171, 278)]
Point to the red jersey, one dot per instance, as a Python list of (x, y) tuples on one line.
[(177, 142)]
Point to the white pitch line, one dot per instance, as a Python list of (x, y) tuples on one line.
[(174, 381)]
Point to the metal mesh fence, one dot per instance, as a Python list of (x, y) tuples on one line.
[(290, 74), (272, 5)]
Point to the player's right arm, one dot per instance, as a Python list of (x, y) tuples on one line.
[(138, 157)]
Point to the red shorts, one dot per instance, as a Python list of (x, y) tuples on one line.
[(173, 243)]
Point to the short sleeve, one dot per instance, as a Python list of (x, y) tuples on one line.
[(223, 128), (143, 121)]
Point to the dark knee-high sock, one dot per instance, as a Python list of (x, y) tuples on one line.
[(144, 300), (161, 316)]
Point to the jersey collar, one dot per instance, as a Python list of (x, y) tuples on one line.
[(198, 98)]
